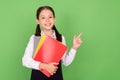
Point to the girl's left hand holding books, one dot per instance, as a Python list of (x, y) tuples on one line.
[(77, 41)]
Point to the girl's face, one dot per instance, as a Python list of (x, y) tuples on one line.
[(46, 19)]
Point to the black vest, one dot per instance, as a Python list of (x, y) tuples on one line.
[(38, 75)]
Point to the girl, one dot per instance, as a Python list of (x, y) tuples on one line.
[(45, 18)]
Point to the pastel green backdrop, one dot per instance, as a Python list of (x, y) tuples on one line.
[(97, 59)]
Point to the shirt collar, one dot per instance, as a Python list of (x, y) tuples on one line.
[(53, 35)]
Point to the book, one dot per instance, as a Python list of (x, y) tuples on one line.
[(49, 50)]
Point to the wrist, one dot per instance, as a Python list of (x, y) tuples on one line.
[(74, 47), (42, 66)]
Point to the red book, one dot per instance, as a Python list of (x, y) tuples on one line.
[(49, 50)]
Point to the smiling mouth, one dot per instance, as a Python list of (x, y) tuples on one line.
[(48, 24)]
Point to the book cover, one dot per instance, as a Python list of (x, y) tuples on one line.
[(49, 50)]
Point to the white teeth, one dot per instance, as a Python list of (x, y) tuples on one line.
[(47, 24)]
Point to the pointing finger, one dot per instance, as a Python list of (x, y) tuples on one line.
[(74, 36), (79, 35)]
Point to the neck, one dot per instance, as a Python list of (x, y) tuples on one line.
[(48, 32)]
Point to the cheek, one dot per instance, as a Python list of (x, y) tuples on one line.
[(42, 21), (53, 20)]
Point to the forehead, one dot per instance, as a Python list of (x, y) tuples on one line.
[(46, 12)]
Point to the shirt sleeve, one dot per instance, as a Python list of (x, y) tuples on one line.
[(68, 57), (27, 59)]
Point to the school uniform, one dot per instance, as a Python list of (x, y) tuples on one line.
[(29, 62)]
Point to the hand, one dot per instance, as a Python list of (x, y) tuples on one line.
[(50, 67), (77, 41)]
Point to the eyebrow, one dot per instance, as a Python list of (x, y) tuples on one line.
[(44, 15)]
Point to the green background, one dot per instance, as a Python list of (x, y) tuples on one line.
[(97, 59)]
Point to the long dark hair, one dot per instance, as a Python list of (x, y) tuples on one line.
[(38, 30)]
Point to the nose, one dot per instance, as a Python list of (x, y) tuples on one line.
[(47, 20)]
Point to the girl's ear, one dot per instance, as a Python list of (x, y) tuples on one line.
[(37, 21)]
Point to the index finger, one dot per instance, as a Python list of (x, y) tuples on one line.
[(79, 35), (55, 63)]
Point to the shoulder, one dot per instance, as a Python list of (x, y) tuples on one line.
[(32, 37)]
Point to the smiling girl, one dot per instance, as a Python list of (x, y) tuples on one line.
[(45, 18)]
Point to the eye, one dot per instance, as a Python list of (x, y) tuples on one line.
[(50, 17), (42, 17)]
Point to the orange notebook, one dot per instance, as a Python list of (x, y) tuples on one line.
[(49, 50)]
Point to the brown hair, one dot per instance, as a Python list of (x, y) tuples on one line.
[(38, 30)]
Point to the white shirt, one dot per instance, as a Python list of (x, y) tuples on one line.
[(29, 62)]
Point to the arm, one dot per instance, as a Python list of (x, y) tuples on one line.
[(27, 59), (29, 62), (68, 57)]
